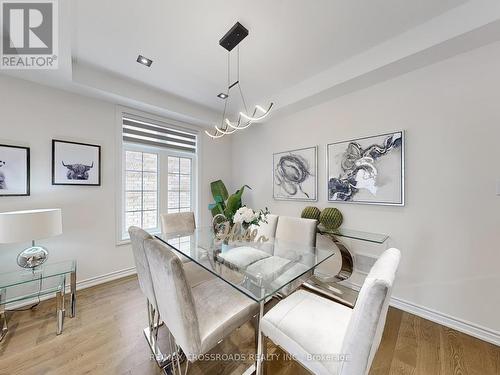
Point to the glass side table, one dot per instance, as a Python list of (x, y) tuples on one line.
[(27, 284)]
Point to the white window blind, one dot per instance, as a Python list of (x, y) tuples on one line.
[(157, 135)]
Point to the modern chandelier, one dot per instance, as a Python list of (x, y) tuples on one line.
[(245, 118)]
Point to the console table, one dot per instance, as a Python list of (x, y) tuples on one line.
[(329, 286), (27, 284)]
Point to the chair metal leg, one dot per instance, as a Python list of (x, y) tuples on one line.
[(151, 332), (151, 335), (3, 316)]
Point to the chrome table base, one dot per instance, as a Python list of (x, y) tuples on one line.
[(329, 286)]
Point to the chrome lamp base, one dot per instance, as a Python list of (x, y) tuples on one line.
[(33, 256)]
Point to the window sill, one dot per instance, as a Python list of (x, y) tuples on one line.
[(126, 241), (123, 242)]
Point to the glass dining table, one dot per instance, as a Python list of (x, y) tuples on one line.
[(257, 269)]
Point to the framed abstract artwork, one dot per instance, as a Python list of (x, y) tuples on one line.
[(14, 170), (367, 170), (76, 163), (295, 175)]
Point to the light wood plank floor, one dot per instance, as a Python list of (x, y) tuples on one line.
[(106, 338)]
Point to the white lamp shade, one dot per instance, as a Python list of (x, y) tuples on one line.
[(22, 226)]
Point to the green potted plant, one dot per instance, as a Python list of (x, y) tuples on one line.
[(228, 210)]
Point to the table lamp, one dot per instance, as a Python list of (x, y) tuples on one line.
[(31, 225)]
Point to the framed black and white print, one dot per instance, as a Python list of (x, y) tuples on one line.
[(76, 163), (367, 170), (295, 175), (14, 171)]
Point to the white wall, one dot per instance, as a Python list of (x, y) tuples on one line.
[(32, 115), (449, 230)]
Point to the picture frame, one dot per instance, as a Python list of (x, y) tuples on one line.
[(14, 171), (367, 170), (75, 163), (295, 175)]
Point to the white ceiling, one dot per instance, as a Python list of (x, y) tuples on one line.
[(299, 52), (289, 41)]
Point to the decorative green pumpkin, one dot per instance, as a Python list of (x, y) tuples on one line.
[(310, 213), (331, 218)]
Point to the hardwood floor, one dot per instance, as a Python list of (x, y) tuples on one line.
[(106, 338)]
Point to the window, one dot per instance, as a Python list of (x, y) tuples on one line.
[(181, 243), (141, 189), (179, 184), (158, 173)]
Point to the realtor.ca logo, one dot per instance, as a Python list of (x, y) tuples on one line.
[(29, 34)]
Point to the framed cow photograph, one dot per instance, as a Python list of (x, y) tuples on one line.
[(75, 163), (14, 171)]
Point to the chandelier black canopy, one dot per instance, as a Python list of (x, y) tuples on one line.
[(245, 118)]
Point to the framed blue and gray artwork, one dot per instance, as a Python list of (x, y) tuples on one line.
[(367, 170), (295, 175)]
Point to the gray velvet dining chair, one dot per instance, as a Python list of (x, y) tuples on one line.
[(137, 238), (195, 275), (178, 222), (199, 317), (329, 338)]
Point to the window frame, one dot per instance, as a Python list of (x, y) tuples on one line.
[(139, 148), (122, 237), (191, 192)]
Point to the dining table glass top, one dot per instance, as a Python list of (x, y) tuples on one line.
[(257, 269)]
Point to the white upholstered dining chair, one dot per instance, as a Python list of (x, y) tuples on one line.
[(267, 229), (198, 317), (297, 230), (195, 275), (291, 230), (329, 338)]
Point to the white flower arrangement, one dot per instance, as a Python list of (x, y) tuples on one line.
[(246, 216)]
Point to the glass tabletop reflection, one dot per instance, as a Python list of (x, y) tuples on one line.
[(257, 269)]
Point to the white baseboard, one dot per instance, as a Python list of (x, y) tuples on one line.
[(82, 284), (93, 281), (449, 321)]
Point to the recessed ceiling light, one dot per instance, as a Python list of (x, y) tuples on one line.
[(222, 95), (144, 60)]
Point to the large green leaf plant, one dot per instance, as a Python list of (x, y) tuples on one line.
[(225, 204)]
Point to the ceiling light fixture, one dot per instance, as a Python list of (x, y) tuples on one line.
[(232, 39), (144, 61)]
